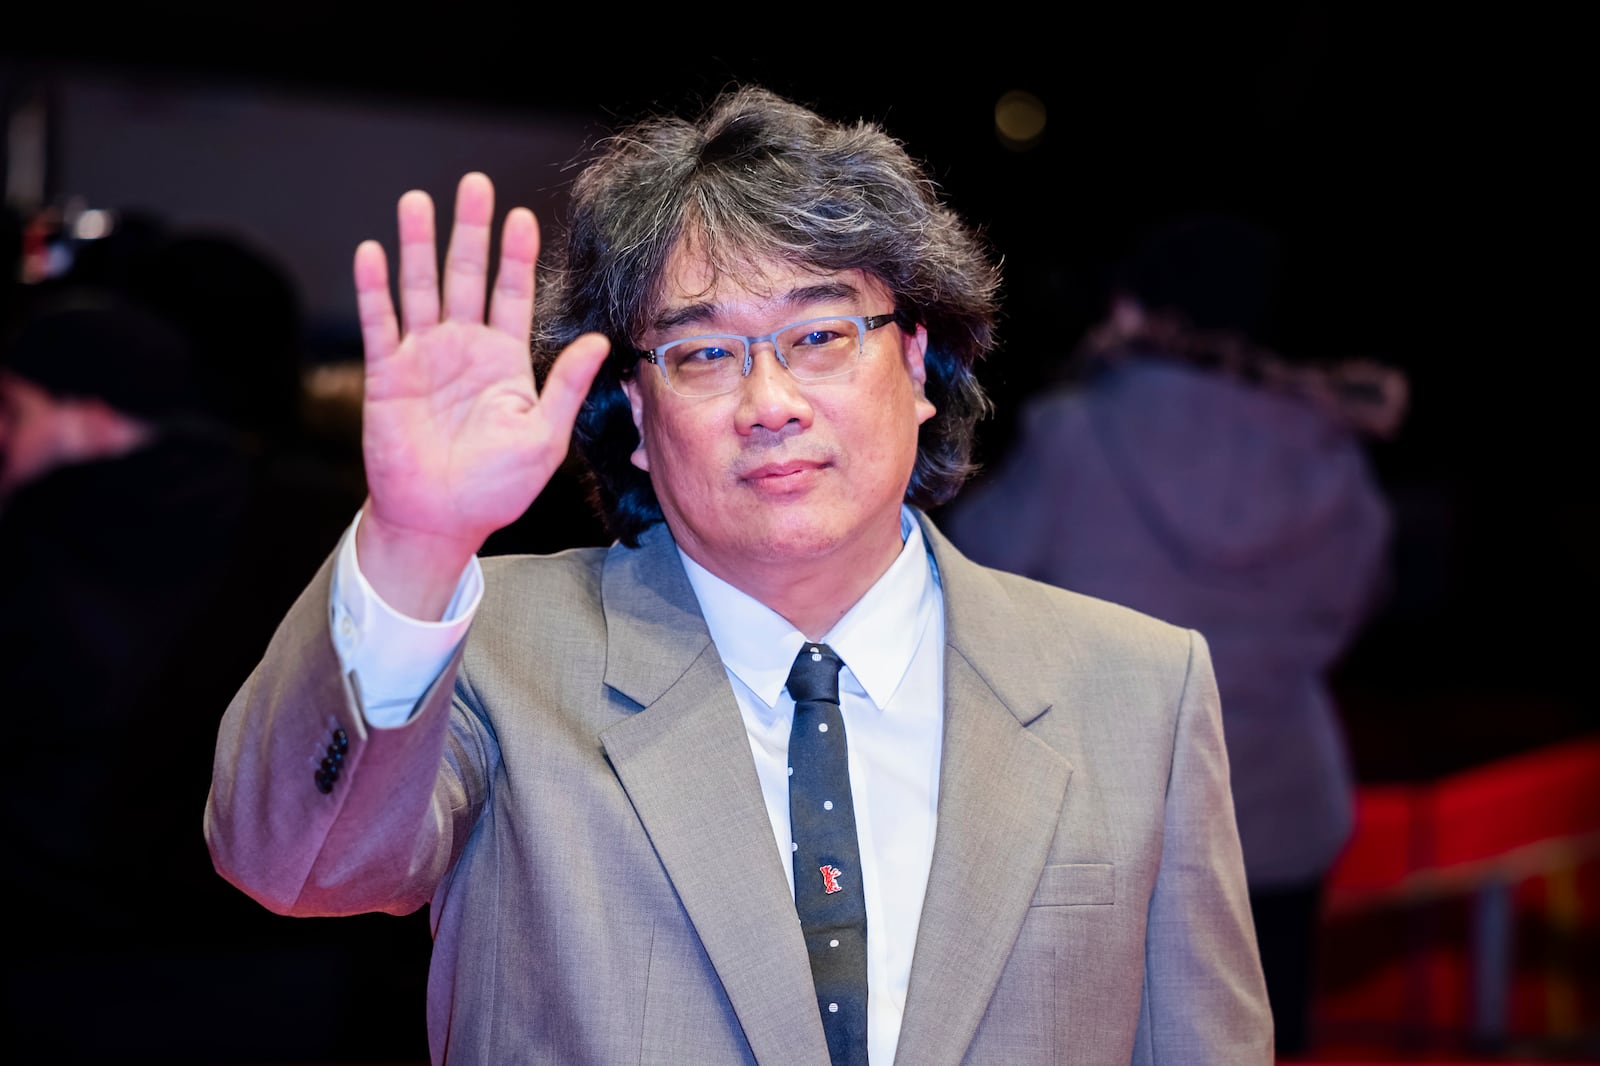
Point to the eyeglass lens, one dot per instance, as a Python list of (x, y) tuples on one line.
[(706, 366)]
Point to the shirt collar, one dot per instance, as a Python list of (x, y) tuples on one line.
[(877, 638)]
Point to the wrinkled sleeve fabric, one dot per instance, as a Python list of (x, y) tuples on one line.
[(312, 811)]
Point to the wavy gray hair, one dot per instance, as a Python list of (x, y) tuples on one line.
[(759, 178)]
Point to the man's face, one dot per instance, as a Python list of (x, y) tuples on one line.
[(781, 473)]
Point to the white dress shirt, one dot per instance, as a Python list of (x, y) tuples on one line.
[(891, 694), (395, 657)]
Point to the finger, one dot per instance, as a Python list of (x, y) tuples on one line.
[(419, 266), (466, 264), (569, 380), (380, 331), (511, 307)]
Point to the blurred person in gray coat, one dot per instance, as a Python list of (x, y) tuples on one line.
[(1187, 471)]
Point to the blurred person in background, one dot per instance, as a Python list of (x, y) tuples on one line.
[(158, 507), (1185, 470), (121, 498)]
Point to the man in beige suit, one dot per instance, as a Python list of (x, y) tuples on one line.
[(767, 327)]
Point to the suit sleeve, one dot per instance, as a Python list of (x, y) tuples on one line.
[(1205, 1001), (311, 812)]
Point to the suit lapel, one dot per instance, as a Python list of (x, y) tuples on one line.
[(1001, 792), (685, 762)]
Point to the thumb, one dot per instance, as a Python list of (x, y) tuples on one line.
[(570, 378)]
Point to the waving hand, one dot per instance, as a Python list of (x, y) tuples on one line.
[(456, 439)]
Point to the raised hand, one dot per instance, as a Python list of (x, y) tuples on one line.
[(456, 439)]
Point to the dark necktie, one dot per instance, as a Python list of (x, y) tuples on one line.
[(827, 860)]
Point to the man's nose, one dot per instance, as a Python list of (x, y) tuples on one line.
[(769, 396)]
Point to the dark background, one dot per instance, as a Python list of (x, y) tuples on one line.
[(1423, 169)]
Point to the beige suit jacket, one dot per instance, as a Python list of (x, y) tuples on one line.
[(576, 800)]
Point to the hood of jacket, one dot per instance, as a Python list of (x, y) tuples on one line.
[(1228, 473)]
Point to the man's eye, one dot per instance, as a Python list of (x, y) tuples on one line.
[(710, 353), (817, 338)]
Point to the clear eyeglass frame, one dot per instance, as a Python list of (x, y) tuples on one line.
[(815, 361)]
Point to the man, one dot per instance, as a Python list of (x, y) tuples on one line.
[(592, 787)]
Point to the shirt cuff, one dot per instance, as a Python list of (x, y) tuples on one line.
[(394, 657)]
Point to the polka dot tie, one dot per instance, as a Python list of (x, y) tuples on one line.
[(827, 860)]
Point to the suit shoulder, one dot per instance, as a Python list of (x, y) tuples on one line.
[(519, 588), (1005, 614), (1095, 626)]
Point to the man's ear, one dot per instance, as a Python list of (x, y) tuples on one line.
[(915, 350), (635, 393)]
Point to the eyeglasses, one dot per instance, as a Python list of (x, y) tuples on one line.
[(813, 350)]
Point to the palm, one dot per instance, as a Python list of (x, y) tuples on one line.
[(456, 439), (454, 435)]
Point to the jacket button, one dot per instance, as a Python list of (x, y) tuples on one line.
[(324, 782)]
